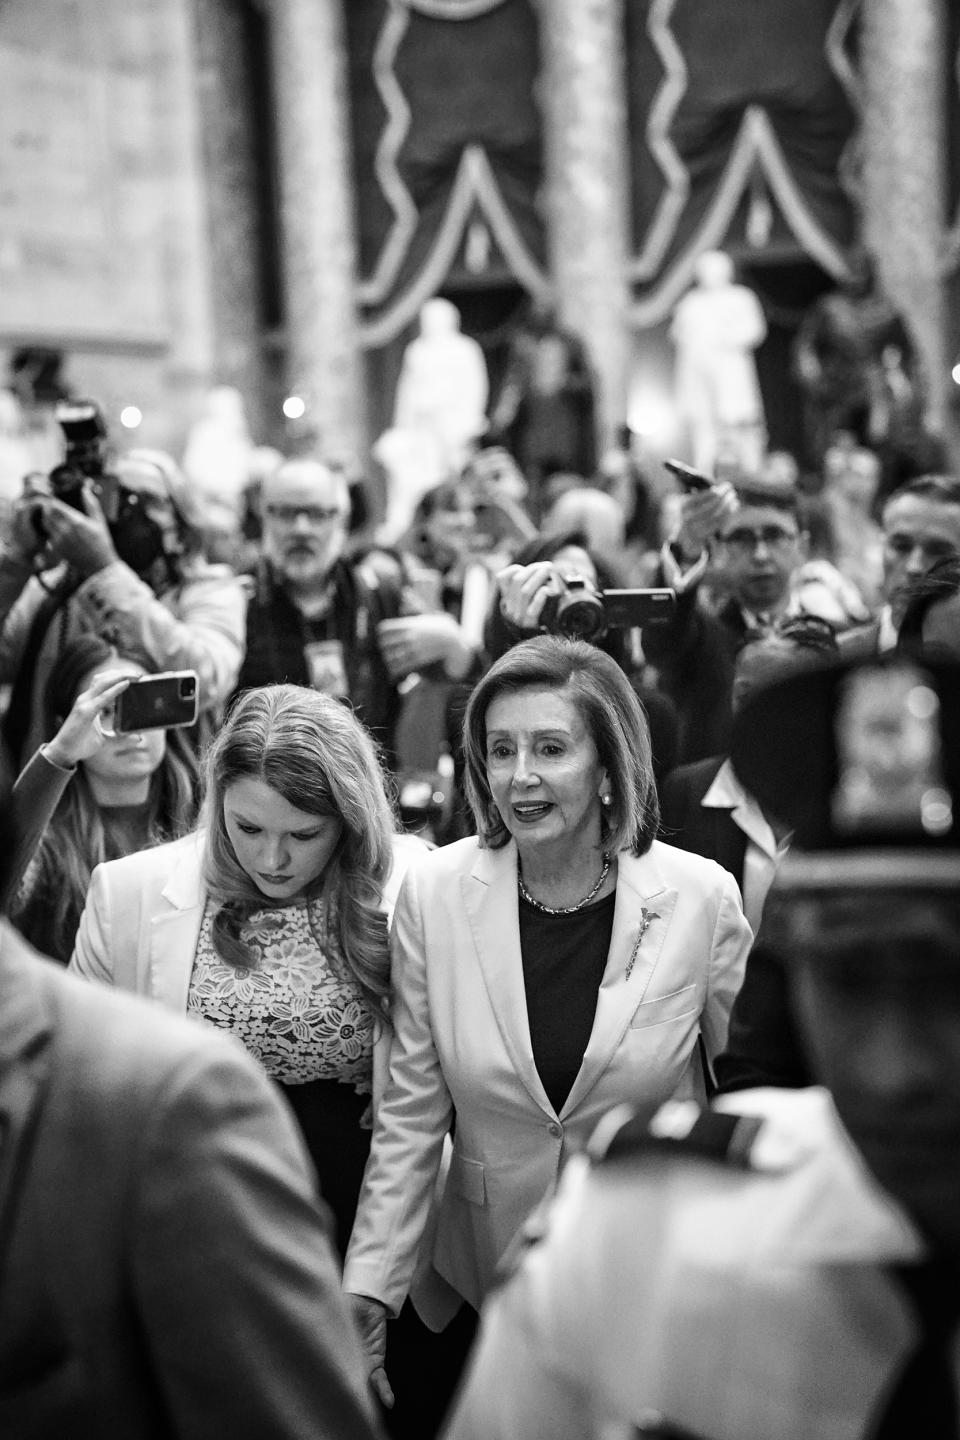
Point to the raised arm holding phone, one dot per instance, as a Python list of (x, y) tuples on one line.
[(99, 788), (107, 547)]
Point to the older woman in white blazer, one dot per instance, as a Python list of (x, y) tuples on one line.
[(561, 962), (271, 923)]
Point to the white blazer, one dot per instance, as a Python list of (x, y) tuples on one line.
[(461, 1047), (141, 922)]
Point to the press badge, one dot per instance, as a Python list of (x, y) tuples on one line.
[(326, 669)]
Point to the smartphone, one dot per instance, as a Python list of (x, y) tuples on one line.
[(689, 478), (625, 609), (157, 702)]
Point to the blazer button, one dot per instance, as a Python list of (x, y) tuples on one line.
[(555, 1130)]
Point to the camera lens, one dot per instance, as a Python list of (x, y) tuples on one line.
[(582, 620), (188, 687)]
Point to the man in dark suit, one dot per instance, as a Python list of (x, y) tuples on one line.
[(705, 808), (756, 541), (166, 1272)]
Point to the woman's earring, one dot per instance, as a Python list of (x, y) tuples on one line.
[(606, 799)]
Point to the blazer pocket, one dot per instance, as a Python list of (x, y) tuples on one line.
[(466, 1179), (665, 1008)]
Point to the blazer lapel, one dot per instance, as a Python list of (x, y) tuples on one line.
[(641, 919), (490, 901), (174, 932)]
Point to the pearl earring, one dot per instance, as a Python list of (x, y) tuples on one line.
[(606, 799)]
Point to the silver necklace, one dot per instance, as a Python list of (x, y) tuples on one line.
[(564, 909)]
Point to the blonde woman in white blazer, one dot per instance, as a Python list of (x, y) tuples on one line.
[(271, 922), (562, 962)]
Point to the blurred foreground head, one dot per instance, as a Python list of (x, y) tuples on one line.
[(864, 761)]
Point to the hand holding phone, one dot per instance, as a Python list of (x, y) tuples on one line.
[(158, 702), (83, 732), (704, 504), (689, 478)]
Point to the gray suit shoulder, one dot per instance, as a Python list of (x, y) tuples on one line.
[(113, 1041)]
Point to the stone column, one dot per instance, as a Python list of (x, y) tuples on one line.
[(155, 39), (583, 95), (905, 167), (317, 217), (230, 82)]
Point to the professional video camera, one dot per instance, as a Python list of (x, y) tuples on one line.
[(583, 612)]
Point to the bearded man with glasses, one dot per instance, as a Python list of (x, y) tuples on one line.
[(322, 618)]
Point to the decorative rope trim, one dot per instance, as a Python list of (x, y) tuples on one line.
[(395, 25), (850, 165), (756, 143), (666, 102), (474, 185)]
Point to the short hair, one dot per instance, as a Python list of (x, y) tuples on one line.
[(942, 488), (800, 642), (310, 466), (615, 720), (548, 547), (315, 753), (445, 496), (591, 510), (762, 495)]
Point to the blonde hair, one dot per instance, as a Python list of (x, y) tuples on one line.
[(313, 752)]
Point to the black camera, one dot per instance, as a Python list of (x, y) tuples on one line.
[(582, 612), (85, 433)]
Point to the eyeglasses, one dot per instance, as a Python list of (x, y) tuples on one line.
[(746, 540), (315, 514)]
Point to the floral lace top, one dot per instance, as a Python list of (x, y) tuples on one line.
[(299, 1011)]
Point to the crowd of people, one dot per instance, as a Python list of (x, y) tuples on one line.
[(465, 846)]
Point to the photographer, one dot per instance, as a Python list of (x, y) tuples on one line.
[(91, 794), (751, 541), (111, 553)]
